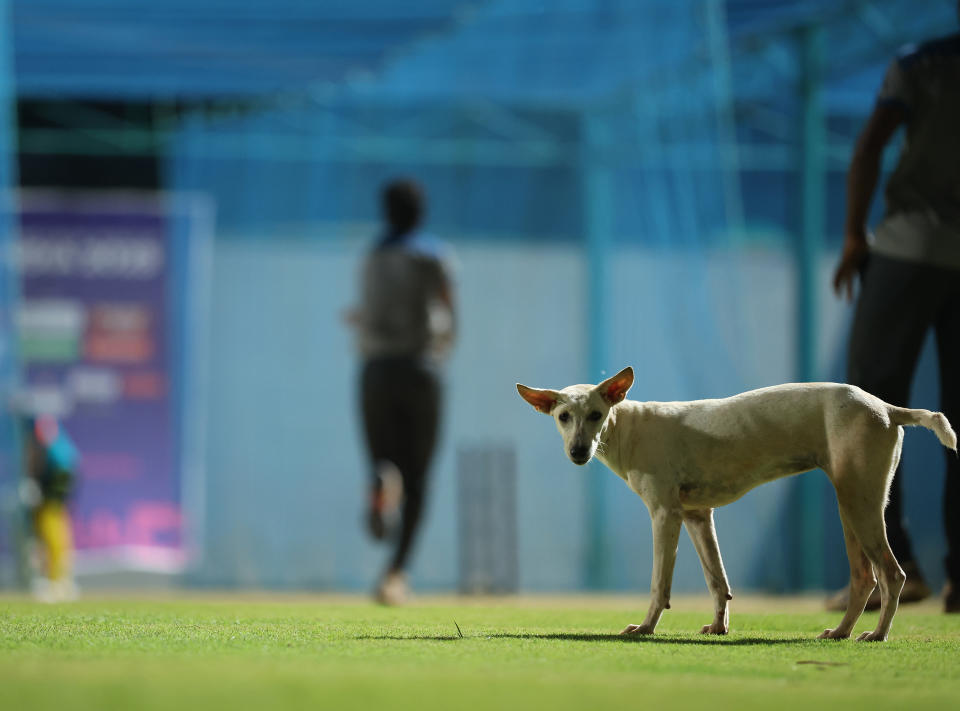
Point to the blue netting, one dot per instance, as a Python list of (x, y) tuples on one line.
[(623, 184)]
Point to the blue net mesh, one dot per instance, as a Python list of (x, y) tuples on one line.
[(623, 183)]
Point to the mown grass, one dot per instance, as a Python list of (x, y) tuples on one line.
[(218, 653)]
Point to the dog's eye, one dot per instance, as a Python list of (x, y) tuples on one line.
[(595, 416), (563, 416)]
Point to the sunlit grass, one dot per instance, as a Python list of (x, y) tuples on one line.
[(302, 652)]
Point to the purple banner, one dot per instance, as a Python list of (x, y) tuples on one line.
[(95, 341)]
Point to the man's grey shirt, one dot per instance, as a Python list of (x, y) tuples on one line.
[(922, 219), (403, 311)]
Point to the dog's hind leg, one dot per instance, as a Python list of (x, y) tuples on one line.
[(869, 530), (862, 583), (889, 573), (862, 496), (702, 532), (666, 533)]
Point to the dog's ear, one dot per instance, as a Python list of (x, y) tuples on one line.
[(615, 389), (542, 400)]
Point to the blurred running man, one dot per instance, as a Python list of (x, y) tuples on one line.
[(910, 272), (405, 327)]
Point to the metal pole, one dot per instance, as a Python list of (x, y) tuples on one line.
[(9, 297), (809, 247), (718, 42), (597, 192)]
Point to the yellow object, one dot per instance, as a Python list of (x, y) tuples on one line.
[(52, 522)]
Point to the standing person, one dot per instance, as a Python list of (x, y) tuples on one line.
[(910, 271), (51, 460), (405, 327)]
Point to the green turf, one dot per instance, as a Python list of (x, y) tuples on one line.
[(302, 653)]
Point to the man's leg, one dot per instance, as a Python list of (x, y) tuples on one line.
[(894, 310), (378, 404), (418, 399), (54, 532), (892, 317), (420, 424), (948, 353)]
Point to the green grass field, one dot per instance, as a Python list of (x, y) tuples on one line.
[(208, 652)]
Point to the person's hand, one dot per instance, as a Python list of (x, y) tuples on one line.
[(30, 495), (854, 253)]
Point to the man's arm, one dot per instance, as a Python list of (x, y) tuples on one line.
[(862, 181)]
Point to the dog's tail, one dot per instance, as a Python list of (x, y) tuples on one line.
[(934, 421)]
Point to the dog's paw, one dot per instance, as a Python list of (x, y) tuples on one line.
[(872, 637), (833, 634), (637, 629), (714, 628)]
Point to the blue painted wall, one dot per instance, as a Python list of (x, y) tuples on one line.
[(285, 466)]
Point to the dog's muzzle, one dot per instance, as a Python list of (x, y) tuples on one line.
[(579, 455)]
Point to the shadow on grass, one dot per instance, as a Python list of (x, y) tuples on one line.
[(621, 639), (657, 639), (412, 638)]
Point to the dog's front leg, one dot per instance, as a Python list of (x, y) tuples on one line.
[(704, 536), (666, 532)]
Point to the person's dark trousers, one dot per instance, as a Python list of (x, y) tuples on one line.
[(899, 302), (401, 413)]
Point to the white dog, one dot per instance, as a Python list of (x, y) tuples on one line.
[(686, 458)]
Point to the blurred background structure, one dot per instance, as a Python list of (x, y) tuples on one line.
[(658, 184)]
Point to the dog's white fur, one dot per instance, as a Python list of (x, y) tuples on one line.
[(686, 458)]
